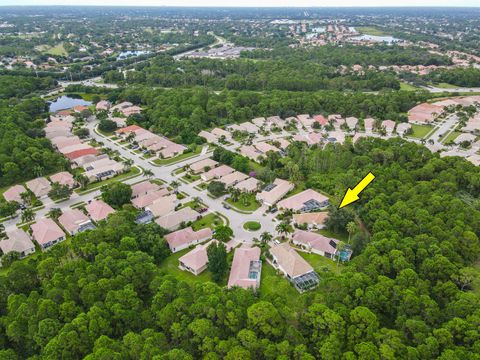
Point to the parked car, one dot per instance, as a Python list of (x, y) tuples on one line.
[(226, 206)]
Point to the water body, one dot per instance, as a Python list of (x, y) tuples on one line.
[(127, 54), (374, 38), (67, 102)]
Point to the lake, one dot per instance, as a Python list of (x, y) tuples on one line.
[(374, 38), (127, 54), (67, 102)]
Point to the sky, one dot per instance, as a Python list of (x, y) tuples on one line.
[(249, 3)]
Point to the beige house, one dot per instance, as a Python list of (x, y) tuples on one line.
[(273, 193), (246, 268), (14, 193), (39, 186), (173, 220), (181, 239), (47, 233), (17, 240)]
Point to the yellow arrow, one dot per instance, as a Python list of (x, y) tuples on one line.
[(352, 194)]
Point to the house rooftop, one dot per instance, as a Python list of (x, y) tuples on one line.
[(186, 236), (315, 241), (313, 218), (98, 210), (17, 240), (72, 220), (246, 268), (46, 230), (39, 186), (13, 193), (293, 264), (143, 188), (306, 201)]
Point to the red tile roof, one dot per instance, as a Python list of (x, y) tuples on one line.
[(79, 153)]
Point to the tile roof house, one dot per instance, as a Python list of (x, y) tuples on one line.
[(260, 121), (306, 201), (265, 147), (369, 123), (251, 152), (163, 206), (17, 240), (74, 147), (209, 137), (217, 172), (173, 220), (196, 260), (106, 171), (103, 105), (98, 210), (276, 121), (351, 122), (282, 143), (218, 133), (274, 192), (464, 138), (389, 126), (56, 132), (14, 192), (305, 120), (39, 186), (79, 153), (200, 166), (295, 268), (233, 178), (246, 268), (316, 243), (62, 142), (402, 128), (181, 239), (47, 233), (172, 150), (249, 127), (322, 120), (74, 221), (143, 188), (249, 185), (63, 178), (312, 219), (472, 125), (149, 198)]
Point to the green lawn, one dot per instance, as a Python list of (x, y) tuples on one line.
[(321, 263), (170, 266), (251, 203), (190, 178), (445, 86), (420, 131), (408, 87), (105, 133), (272, 284), (371, 30), (58, 50), (342, 236), (252, 226), (178, 158), (211, 220), (450, 137), (134, 171)]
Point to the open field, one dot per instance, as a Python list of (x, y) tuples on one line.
[(408, 87), (450, 137), (420, 131), (371, 30), (57, 50)]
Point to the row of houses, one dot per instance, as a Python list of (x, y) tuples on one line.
[(46, 232), (147, 140), (125, 108), (426, 113), (97, 166)]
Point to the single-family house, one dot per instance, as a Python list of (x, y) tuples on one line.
[(369, 123), (294, 267), (273, 193), (316, 243), (173, 220), (172, 150), (142, 201), (424, 113), (103, 105), (14, 193), (265, 147), (351, 122), (305, 120), (251, 152), (322, 120), (217, 172), (143, 188), (233, 178), (195, 261), (207, 136), (47, 233), (249, 127), (203, 165), (79, 153), (75, 221), (259, 122), (306, 201), (248, 185), (98, 210), (63, 178), (106, 171), (163, 206), (39, 186), (472, 125), (389, 126), (465, 137), (311, 219), (403, 128), (17, 240), (246, 268), (181, 239), (218, 133)]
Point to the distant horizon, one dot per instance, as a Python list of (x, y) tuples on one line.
[(365, 4)]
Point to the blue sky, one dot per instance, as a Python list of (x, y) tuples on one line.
[(280, 3)]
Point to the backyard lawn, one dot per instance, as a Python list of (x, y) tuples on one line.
[(420, 131), (170, 267), (211, 220), (272, 284), (320, 263), (450, 137)]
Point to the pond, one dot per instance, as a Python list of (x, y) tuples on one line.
[(67, 102), (127, 54), (374, 38)]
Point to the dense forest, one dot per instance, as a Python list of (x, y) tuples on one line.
[(290, 75), (185, 112), (25, 153), (348, 55), (19, 86), (405, 295), (467, 77)]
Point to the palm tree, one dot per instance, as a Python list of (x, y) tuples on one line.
[(128, 163), (244, 198), (38, 170), (55, 213), (266, 237), (2, 232), (234, 194), (196, 202), (351, 228), (175, 184), (28, 215), (148, 173), (284, 228), (81, 179), (26, 197)]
